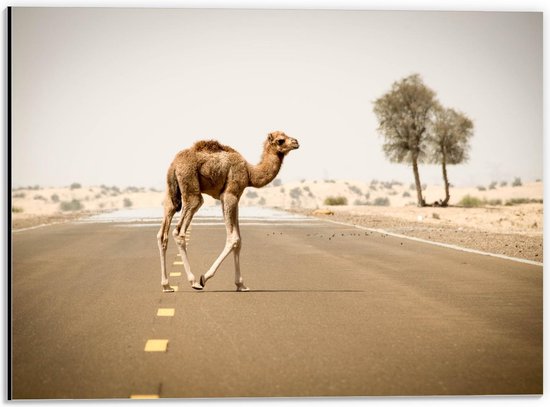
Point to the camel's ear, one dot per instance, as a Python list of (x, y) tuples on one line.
[(270, 137)]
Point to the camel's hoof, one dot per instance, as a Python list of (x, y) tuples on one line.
[(196, 286), (242, 288), (167, 289), (202, 281)]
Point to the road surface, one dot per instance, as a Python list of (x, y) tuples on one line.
[(333, 311)]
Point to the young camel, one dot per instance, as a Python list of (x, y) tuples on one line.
[(221, 172)]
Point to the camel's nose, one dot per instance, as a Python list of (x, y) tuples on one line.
[(295, 143)]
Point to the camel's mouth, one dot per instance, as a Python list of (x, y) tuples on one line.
[(295, 145)]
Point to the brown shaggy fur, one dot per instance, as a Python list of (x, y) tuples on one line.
[(211, 146)]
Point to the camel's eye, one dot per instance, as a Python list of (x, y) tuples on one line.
[(281, 142)]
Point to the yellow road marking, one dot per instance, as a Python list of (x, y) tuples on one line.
[(156, 345), (166, 312), (178, 263), (175, 287), (144, 396), (175, 274)]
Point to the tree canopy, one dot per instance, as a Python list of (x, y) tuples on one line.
[(404, 115), (449, 137)]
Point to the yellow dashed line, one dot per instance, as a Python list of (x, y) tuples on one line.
[(144, 396), (156, 345), (175, 287), (178, 263), (166, 312), (175, 274)]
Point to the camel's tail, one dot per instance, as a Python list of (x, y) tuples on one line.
[(173, 189)]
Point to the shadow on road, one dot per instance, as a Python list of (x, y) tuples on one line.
[(275, 291)]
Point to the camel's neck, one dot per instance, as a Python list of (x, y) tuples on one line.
[(268, 168)]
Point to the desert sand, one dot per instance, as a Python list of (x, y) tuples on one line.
[(508, 215)]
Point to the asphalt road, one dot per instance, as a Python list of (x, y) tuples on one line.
[(332, 311)]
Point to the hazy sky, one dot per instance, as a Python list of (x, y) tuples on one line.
[(108, 96)]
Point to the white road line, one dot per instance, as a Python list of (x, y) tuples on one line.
[(37, 226), (446, 245)]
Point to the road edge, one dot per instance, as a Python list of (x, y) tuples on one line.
[(445, 245)]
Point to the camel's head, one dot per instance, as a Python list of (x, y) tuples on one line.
[(281, 143)]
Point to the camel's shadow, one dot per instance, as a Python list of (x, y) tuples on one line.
[(275, 291)]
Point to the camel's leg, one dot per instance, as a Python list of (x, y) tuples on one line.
[(162, 239), (230, 208), (238, 278), (236, 256), (191, 205)]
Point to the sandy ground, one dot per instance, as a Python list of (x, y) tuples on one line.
[(526, 219), (515, 230)]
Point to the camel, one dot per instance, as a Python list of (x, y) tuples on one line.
[(211, 168)]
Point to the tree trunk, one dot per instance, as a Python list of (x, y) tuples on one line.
[(446, 181), (417, 182)]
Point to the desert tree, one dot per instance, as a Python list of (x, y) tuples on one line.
[(404, 115), (449, 141)]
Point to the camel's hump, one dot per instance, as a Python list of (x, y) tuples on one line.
[(211, 146)]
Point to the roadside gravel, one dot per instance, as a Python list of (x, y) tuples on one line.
[(522, 246)]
